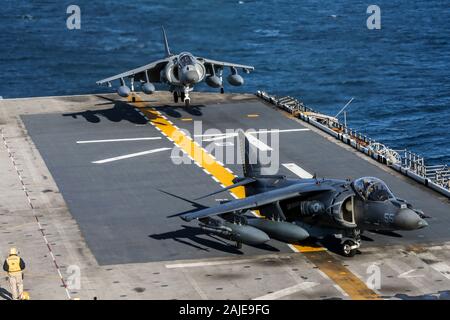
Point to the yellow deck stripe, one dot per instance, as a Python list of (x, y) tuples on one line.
[(351, 284), (185, 143), (301, 248), (354, 287)]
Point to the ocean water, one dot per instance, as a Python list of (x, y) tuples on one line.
[(318, 51)]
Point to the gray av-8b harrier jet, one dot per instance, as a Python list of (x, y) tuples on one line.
[(181, 72), (295, 209)]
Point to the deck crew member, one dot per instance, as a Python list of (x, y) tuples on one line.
[(14, 265)]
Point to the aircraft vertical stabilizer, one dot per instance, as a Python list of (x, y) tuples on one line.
[(166, 43), (249, 156)]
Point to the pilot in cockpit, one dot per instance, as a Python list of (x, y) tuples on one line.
[(372, 189)]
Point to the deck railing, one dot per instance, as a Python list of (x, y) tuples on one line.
[(408, 163)]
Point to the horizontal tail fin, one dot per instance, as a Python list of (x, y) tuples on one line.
[(243, 182)]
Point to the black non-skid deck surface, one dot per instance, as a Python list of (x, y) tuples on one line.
[(124, 207)]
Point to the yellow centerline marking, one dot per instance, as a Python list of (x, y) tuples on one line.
[(185, 143), (351, 284), (252, 115), (302, 248), (186, 119)]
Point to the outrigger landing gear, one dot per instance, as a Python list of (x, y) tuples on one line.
[(175, 97), (238, 245)]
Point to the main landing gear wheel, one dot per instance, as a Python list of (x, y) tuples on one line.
[(183, 96), (346, 248), (175, 97), (187, 102), (222, 90)]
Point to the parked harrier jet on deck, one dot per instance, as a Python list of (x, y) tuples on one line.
[(295, 209), (181, 72)]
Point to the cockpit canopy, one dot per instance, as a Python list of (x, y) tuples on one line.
[(185, 59), (372, 189)]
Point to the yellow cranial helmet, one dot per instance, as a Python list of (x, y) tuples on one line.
[(12, 251)]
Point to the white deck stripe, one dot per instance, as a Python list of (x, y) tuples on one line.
[(226, 135), (251, 138), (212, 263), (258, 143), (118, 140), (439, 266), (131, 155), (298, 170), (288, 291)]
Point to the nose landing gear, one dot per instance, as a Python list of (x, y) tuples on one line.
[(346, 243), (350, 243), (349, 247), (183, 96)]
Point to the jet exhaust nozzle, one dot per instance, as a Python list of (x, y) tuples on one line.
[(148, 88), (123, 91), (214, 81), (280, 230)]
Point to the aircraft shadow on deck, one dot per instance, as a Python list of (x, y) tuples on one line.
[(123, 111), (193, 233), (120, 111), (192, 236), (387, 233), (440, 295), (173, 111)]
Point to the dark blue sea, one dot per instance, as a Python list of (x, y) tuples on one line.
[(319, 51)]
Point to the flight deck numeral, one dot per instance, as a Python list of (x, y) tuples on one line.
[(74, 277)]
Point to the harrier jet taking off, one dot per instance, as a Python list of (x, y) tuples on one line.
[(295, 209), (181, 72)]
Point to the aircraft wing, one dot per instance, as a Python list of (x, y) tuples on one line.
[(258, 200), (153, 69), (225, 64)]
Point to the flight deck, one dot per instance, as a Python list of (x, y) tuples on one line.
[(94, 184)]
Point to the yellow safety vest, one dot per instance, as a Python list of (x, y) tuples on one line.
[(13, 264)]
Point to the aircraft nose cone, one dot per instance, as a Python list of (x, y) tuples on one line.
[(190, 75), (422, 224), (408, 219)]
